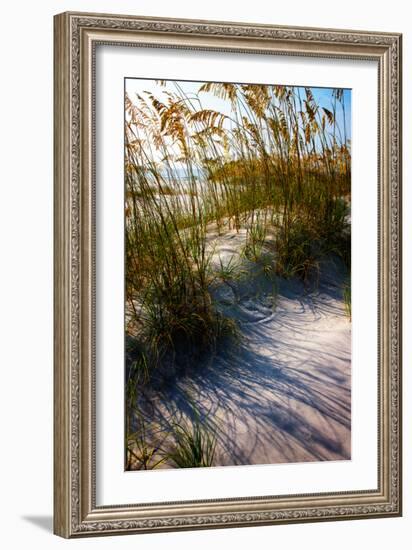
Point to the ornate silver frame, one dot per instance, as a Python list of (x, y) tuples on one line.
[(75, 510)]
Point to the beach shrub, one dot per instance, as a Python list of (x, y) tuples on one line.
[(276, 162)]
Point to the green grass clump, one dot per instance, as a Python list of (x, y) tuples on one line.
[(255, 240), (194, 445), (187, 444)]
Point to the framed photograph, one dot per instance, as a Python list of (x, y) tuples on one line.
[(227, 274)]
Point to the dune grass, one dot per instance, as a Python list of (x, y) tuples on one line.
[(187, 444), (194, 445), (276, 163)]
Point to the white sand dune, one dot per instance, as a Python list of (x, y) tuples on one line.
[(283, 393)]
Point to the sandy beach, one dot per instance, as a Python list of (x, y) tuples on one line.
[(282, 393)]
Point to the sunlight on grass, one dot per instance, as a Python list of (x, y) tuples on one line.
[(275, 164)]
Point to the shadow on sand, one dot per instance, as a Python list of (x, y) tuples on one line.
[(281, 395)]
